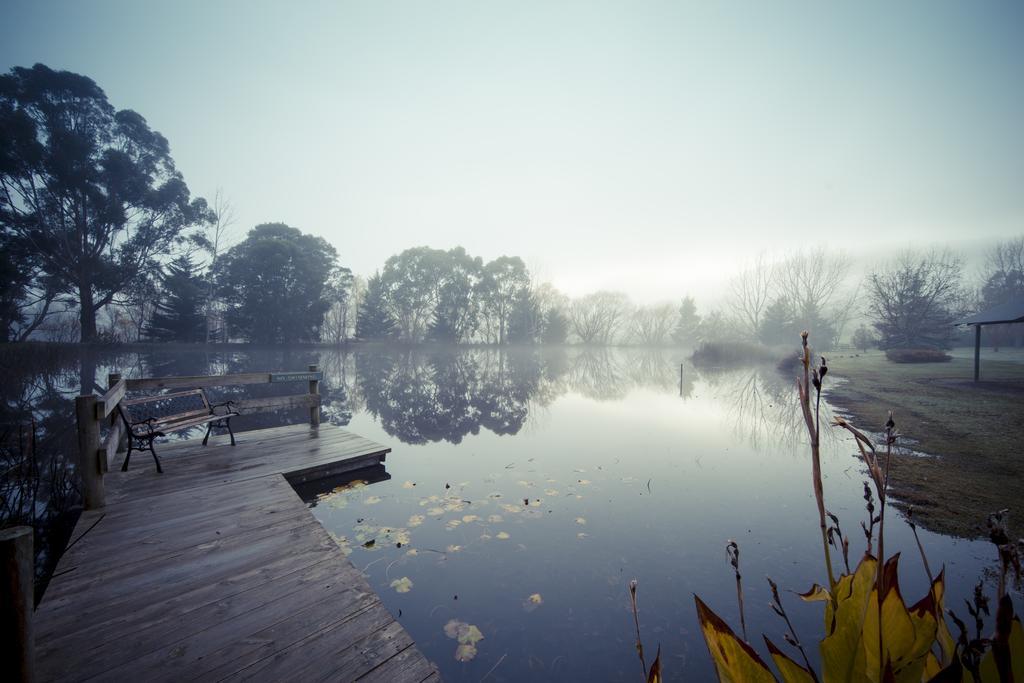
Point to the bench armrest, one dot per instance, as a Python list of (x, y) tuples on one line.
[(225, 404), (148, 424)]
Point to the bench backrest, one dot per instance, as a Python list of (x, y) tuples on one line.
[(180, 405)]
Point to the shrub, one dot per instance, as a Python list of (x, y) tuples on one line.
[(726, 353), (917, 356)]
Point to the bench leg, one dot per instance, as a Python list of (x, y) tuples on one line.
[(152, 450), (209, 428), (128, 455), (228, 423)]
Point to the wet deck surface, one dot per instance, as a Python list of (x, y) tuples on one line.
[(216, 570)]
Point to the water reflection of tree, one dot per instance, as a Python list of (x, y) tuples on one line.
[(762, 405), (441, 395)]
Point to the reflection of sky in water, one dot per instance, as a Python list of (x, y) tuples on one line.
[(584, 432), (597, 526)]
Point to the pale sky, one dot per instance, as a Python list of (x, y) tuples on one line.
[(644, 146)]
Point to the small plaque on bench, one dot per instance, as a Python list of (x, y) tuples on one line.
[(296, 376)]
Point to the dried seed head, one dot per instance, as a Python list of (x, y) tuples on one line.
[(732, 549), (890, 424)]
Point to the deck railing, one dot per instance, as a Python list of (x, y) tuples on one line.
[(94, 414)]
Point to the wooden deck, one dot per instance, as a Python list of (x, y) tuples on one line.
[(216, 570)]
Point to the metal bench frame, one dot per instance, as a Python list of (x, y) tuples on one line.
[(150, 417)]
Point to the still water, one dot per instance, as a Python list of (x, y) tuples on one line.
[(525, 488)]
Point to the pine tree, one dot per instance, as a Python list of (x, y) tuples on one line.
[(687, 332), (374, 321), (179, 312)]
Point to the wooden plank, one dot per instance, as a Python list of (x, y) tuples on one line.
[(407, 666), (197, 381), (276, 403), (108, 449), (108, 401), (217, 569)]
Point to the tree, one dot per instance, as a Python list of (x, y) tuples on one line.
[(93, 190), (526, 321), (556, 327), (687, 332), (750, 292), (179, 314), (456, 313), (863, 339), (652, 325), (503, 284), (915, 300), (374, 321), (411, 282), (597, 318), (26, 293), (339, 293), (275, 284)]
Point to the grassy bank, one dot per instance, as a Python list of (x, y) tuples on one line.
[(973, 433)]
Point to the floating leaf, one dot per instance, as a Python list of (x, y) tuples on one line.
[(416, 520), (582, 535), (435, 512), (583, 482), (452, 523), (412, 552), (469, 518), (581, 520), (454, 548), (503, 536), (372, 500), (495, 519), (533, 602), (464, 653), (408, 485), (550, 492), (402, 585)]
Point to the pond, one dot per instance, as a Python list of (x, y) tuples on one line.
[(525, 489)]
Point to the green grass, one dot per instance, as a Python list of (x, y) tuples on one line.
[(972, 433)]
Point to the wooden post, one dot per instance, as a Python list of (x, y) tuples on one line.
[(314, 410), (88, 448), (977, 352), (112, 379), (17, 604)]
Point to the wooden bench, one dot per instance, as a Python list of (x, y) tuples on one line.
[(149, 417)]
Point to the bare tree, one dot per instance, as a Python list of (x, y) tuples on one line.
[(218, 236), (915, 299), (750, 293), (652, 325), (811, 280), (597, 318)]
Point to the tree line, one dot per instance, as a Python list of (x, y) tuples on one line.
[(101, 239)]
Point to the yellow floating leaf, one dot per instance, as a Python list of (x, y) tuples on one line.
[(583, 482), (469, 518), (435, 512), (408, 485), (581, 520), (402, 585), (582, 535), (503, 536), (550, 492), (416, 520), (452, 523), (533, 602), (412, 552), (454, 548), (464, 653)]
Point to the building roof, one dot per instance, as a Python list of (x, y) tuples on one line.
[(1010, 312)]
